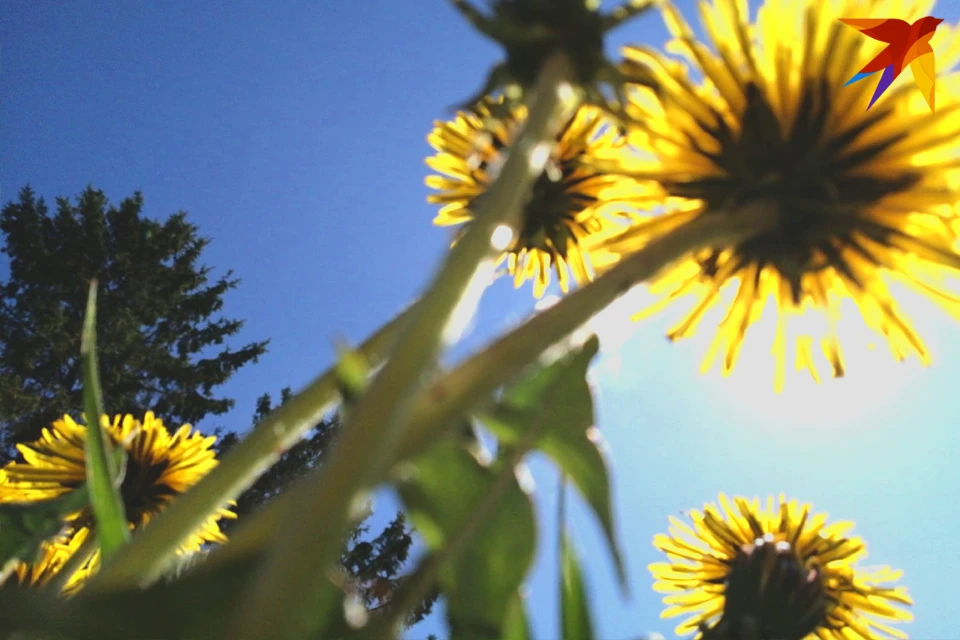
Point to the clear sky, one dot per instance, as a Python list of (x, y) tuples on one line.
[(293, 132)]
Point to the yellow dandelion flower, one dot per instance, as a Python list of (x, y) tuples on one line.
[(160, 466), (572, 205), (861, 199), (776, 567), (53, 557)]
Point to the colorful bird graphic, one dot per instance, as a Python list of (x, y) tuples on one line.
[(906, 44)]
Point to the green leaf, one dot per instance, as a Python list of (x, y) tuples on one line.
[(559, 396), (352, 372), (574, 608), (103, 469), (515, 623), (24, 526), (480, 516), (192, 607)]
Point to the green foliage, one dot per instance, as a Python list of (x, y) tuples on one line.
[(162, 340), (473, 513), (24, 526), (103, 473), (192, 607), (575, 618), (559, 397), (277, 579), (294, 462), (515, 624), (531, 31), (448, 492), (375, 565), (352, 371)]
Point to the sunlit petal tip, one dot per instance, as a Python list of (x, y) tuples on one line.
[(770, 118)]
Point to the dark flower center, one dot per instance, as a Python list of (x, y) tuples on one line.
[(141, 490), (550, 215), (770, 594), (806, 173)]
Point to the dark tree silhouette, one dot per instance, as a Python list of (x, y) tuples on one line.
[(374, 566), (161, 338)]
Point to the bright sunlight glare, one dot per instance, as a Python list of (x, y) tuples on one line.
[(874, 379), (461, 320), (612, 327), (501, 237)]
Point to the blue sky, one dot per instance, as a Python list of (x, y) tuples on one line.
[(294, 134)]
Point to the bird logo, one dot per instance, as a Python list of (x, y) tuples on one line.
[(906, 44)]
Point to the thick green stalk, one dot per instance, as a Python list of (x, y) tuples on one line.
[(474, 381), (149, 552), (314, 521), (481, 375)]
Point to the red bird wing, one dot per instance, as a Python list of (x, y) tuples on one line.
[(889, 30), (896, 33)]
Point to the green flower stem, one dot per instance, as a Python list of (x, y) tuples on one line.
[(149, 553), (473, 382), (314, 520), (418, 585)]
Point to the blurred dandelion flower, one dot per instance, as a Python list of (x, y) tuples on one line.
[(53, 557), (778, 568), (572, 205), (530, 31), (859, 198), (160, 466)]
